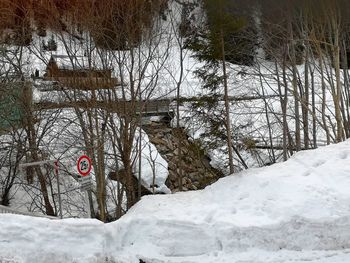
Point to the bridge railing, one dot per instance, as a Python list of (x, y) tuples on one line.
[(154, 107)]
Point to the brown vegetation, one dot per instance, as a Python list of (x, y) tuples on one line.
[(107, 21)]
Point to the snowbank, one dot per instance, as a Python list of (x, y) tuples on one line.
[(296, 210)]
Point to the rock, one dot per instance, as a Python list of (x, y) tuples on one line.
[(172, 176), (159, 141)]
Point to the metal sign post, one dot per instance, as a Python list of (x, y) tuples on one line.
[(55, 163), (85, 186), (87, 204), (84, 166), (58, 189)]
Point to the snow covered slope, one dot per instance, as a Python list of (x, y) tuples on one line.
[(297, 211)]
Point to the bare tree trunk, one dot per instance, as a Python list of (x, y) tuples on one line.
[(140, 158), (305, 101), (314, 130), (35, 157), (178, 87), (295, 94), (345, 92), (227, 107), (286, 128), (267, 118), (283, 101), (323, 85), (337, 95)]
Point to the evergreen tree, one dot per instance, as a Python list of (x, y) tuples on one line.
[(212, 45), (237, 32)]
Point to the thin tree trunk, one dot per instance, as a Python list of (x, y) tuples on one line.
[(314, 129), (305, 101), (286, 131), (267, 118), (284, 115), (227, 107), (296, 98), (346, 85), (337, 95), (345, 92), (140, 158), (35, 157), (179, 146), (323, 85)]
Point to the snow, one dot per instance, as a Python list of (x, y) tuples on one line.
[(296, 211), (71, 62), (153, 167), (43, 239)]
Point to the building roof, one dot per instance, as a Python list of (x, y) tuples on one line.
[(71, 62)]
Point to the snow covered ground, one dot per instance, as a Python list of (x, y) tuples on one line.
[(297, 211)]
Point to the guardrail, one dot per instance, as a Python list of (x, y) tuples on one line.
[(8, 210)]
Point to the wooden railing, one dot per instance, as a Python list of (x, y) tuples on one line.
[(85, 83)]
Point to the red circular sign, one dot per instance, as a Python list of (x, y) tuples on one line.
[(84, 165)]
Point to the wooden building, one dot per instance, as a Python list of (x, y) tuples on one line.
[(78, 73)]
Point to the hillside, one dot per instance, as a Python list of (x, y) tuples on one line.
[(296, 211), (214, 131)]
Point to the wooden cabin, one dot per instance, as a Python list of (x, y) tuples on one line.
[(77, 73)]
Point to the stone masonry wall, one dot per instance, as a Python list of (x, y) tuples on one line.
[(189, 167)]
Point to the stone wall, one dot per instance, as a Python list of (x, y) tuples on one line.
[(189, 166)]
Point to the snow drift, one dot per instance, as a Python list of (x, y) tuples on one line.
[(296, 210)]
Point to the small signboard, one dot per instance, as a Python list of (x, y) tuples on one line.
[(84, 165), (85, 183)]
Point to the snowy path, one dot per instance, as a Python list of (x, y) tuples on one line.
[(297, 211)]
